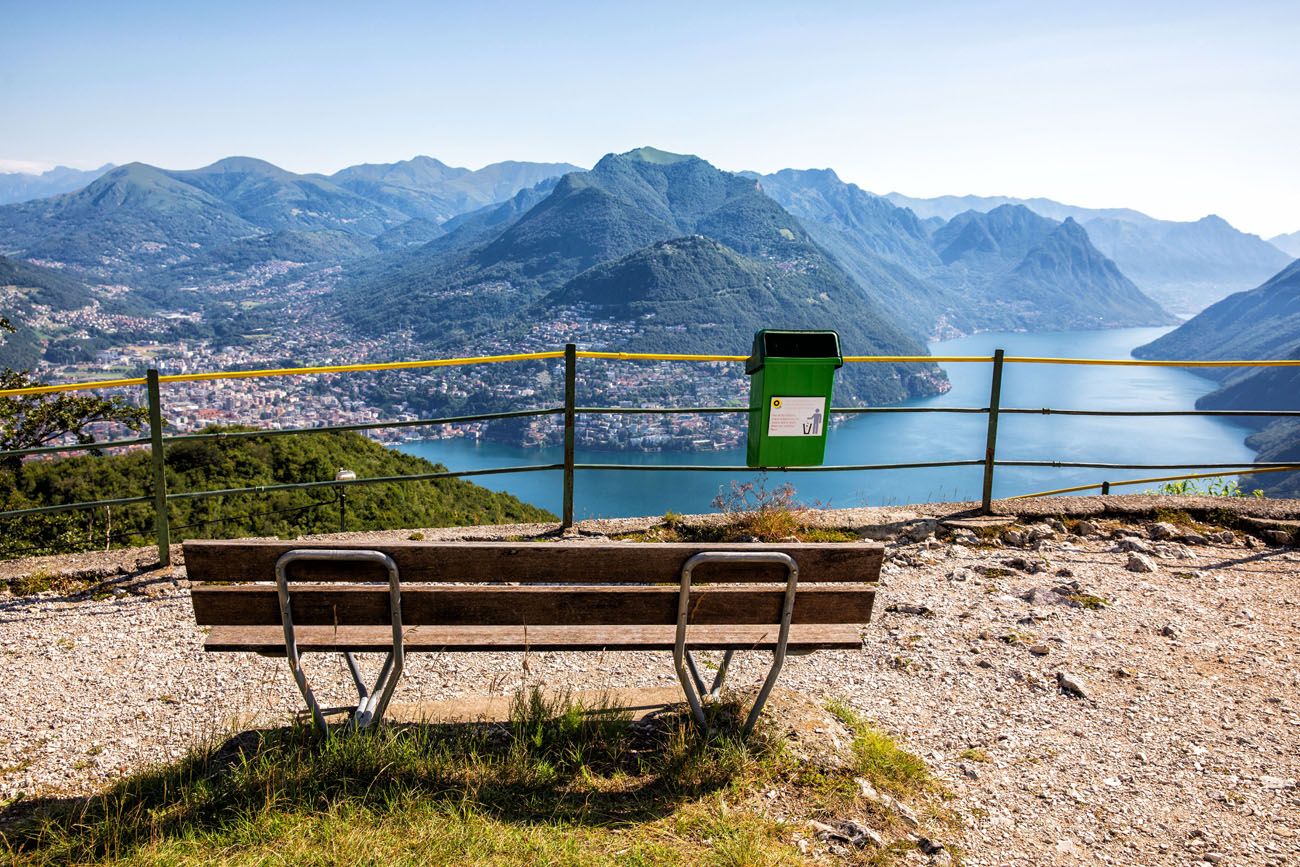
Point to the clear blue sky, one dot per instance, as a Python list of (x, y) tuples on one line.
[(1177, 109)]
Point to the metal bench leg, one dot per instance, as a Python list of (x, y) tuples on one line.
[(371, 702), (687, 671), (719, 679)]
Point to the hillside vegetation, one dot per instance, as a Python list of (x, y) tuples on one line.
[(1263, 323), (23, 287), (234, 463)]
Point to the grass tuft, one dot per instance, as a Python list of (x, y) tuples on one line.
[(38, 581), (879, 759)]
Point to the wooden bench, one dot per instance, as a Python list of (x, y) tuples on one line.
[(289, 598)]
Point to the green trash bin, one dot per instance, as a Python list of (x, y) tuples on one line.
[(791, 377)]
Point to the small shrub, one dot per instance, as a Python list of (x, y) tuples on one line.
[(1215, 487), (416, 537), (39, 581), (766, 514), (975, 754)]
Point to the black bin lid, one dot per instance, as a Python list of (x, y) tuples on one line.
[(770, 343)]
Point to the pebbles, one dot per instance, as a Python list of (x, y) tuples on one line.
[(1195, 732)]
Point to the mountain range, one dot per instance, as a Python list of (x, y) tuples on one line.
[(687, 257), (1185, 266), (137, 221), (1007, 269), (1262, 323), (23, 187)]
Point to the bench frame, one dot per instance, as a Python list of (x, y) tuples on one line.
[(217, 563)]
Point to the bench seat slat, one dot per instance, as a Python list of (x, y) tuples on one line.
[(259, 605), (270, 639), (237, 560)]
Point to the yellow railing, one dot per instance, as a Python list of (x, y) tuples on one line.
[(612, 356)]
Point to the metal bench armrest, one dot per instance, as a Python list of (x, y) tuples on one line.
[(372, 702), (688, 672)]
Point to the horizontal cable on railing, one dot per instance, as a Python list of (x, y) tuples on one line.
[(718, 410), (74, 447), (1230, 413), (376, 480), (68, 507), (1109, 484), (617, 356), (1096, 466), (729, 468), (378, 425), (1144, 362)]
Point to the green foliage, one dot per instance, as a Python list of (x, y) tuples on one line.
[(1215, 487), (32, 420), (244, 462), (38, 581)]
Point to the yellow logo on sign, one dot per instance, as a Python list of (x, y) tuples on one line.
[(776, 403)]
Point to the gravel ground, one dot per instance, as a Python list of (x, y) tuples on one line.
[(1184, 746)]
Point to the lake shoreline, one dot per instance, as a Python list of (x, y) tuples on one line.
[(932, 436)]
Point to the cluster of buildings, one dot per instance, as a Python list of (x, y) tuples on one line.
[(301, 339)]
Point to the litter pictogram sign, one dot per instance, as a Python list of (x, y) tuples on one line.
[(796, 417)]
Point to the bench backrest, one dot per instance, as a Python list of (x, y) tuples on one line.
[(562, 584)]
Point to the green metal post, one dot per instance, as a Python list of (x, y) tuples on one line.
[(570, 402), (1105, 489), (162, 527), (990, 448)]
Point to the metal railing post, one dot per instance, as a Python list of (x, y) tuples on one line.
[(570, 417), (991, 445), (162, 527)]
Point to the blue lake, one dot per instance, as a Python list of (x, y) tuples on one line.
[(899, 438)]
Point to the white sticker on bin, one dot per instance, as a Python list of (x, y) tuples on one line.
[(796, 417)]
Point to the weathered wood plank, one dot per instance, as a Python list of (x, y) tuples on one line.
[(241, 560), (270, 639), (254, 605)]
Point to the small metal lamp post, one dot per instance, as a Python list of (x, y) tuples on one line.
[(343, 476)]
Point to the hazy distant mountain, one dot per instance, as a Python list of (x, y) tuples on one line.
[(426, 188), (1289, 244), (23, 288), (139, 219), (22, 187), (1184, 266), (1015, 269), (1263, 323), (690, 258), (973, 272), (882, 246)]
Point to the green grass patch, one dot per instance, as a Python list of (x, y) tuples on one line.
[(881, 761), (39, 581), (558, 783), (1088, 600), (975, 754)]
